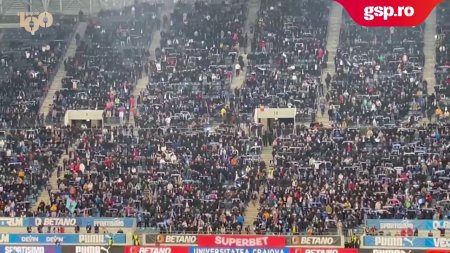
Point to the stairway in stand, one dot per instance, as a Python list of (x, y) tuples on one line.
[(334, 31)]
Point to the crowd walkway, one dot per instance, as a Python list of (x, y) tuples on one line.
[(334, 30), (429, 50), (253, 8), (56, 85), (167, 8)]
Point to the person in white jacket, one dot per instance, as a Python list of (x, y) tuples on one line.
[(238, 69)]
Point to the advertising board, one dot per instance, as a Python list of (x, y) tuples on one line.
[(170, 239), (162, 249), (93, 249), (316, 241), (412, 224), (318, 250), (68, 222), (30, 249), (408, 242), (237, 250), (90, 239), (241, 241)]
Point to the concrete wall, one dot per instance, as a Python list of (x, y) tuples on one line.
[(272, 113)]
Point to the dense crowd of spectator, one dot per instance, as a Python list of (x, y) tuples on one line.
[(178, 170), (28, 152), (288, 53), (379, 76), (171, 173), (108, 62), (442, 90), (190, 78), (328, 180), (168, 178), (28, 64), (28, 157)]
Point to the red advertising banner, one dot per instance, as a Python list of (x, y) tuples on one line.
[(306, 250), (241, 241), (145, 249)]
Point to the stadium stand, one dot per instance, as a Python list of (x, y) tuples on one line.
[(288, 53), (187, 164), (373, 67), (29, 152), (439, 98), (107, 63), (28, 65)]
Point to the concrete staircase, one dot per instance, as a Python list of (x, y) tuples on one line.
[(250, 215), (253, 8), (52, 181), (334, 31), (253, 208), (56, 84), (154, 44), (48, 101), (429, 50), (12, 7)]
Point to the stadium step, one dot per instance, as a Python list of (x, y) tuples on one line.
[(252, 15), (238, 81), (253, 7), (154, 44), (52, 181), (12, 7), (251, 213), (429, 50), (56, 84), (333, 34)]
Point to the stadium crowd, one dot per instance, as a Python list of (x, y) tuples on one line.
[(288, 53), (171, 173), (29, 153), (379, 76), (440, 100), (336, 178), (194, 64), (28, 158), (28, 65), (187, 165), (107, 64)]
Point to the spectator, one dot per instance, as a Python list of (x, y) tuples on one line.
[(388, 87), (107, 64), (26, 71)]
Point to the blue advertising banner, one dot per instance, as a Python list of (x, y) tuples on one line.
[(68, 222), (34, 249), (92, 239), (237, 250), (405, 242), (401, 224)]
